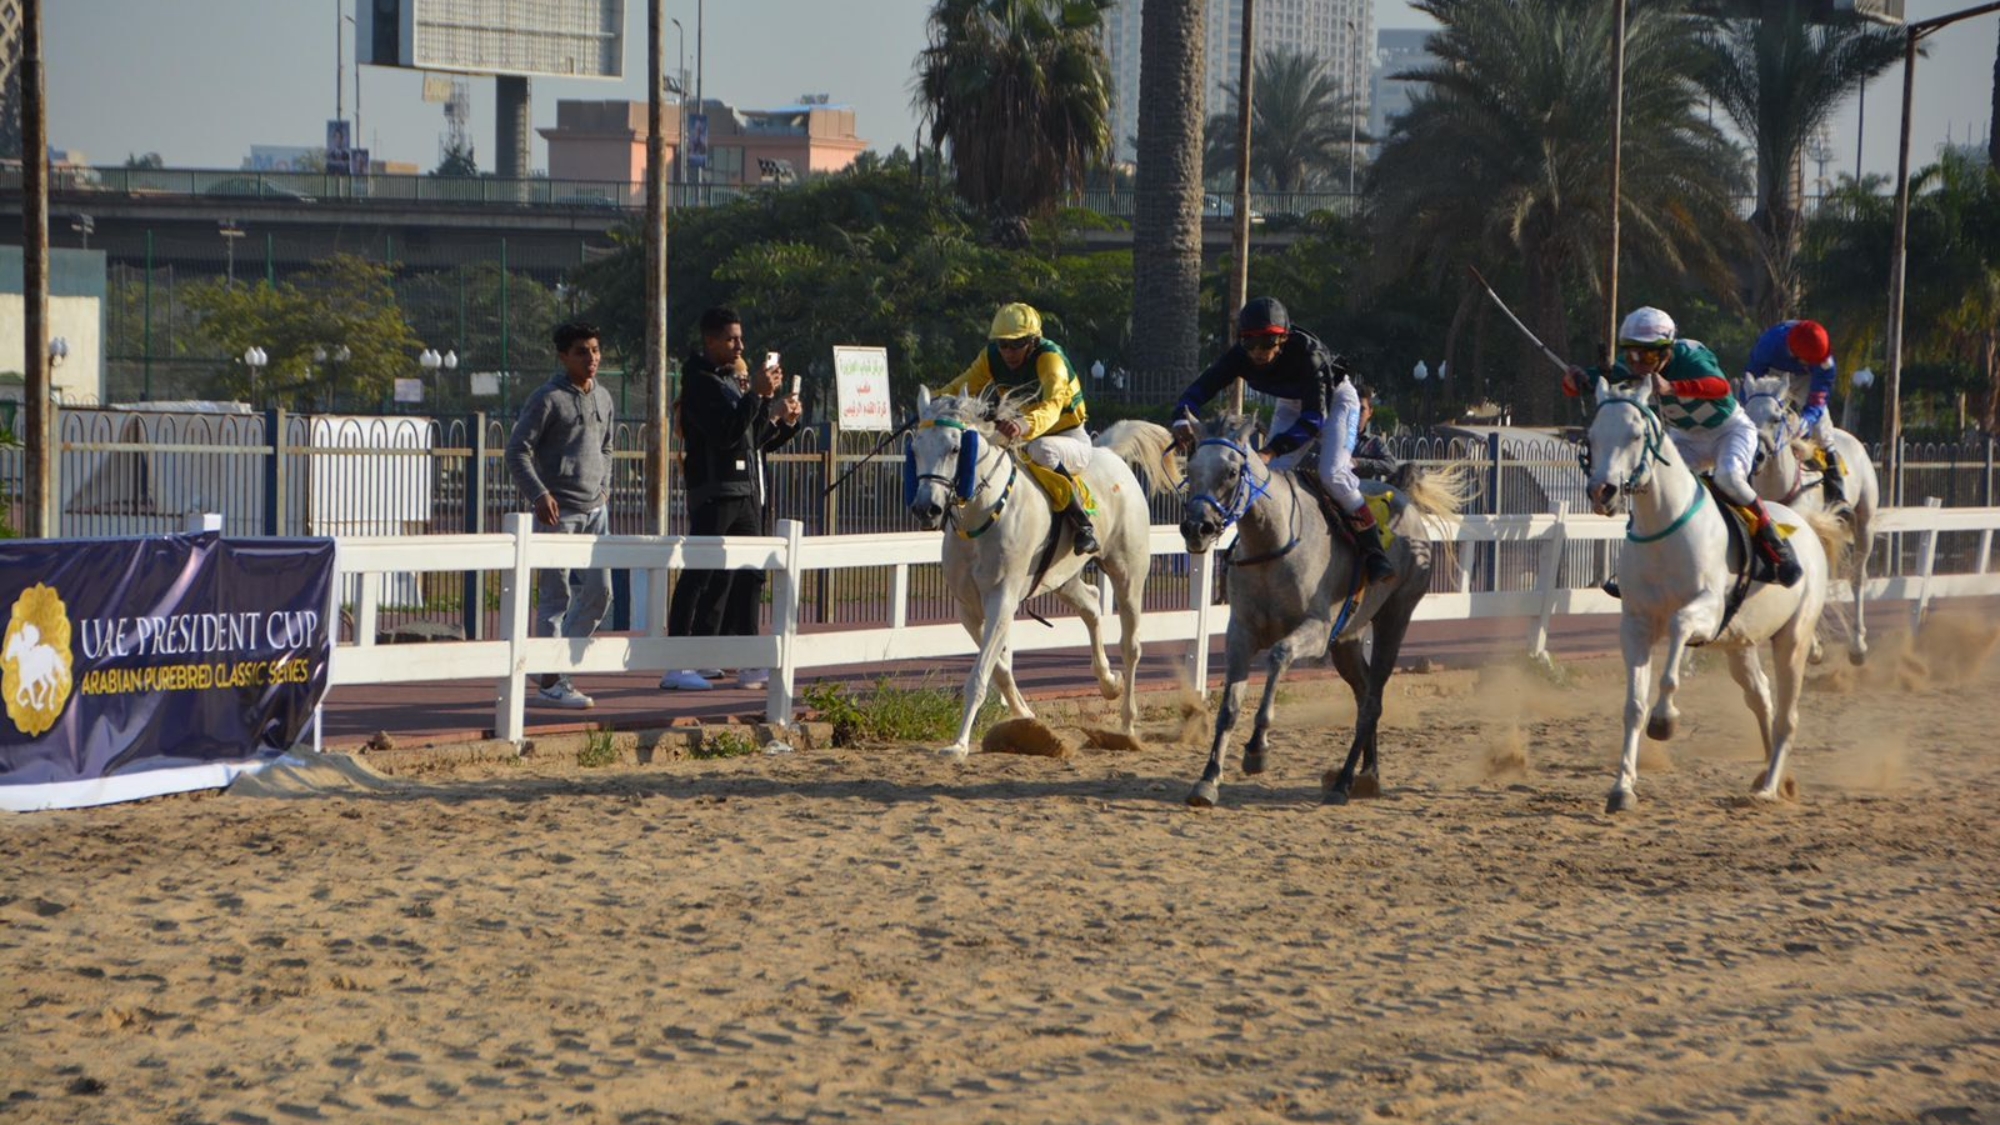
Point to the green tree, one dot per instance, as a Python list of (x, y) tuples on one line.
[(1502, 159), (1166, 217), (1299, 127), (458, 160), (341, 300), (145, 160), (1019, 90), (871, 258), (1779, 79)]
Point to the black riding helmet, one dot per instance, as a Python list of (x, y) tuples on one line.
[(1263, 316)]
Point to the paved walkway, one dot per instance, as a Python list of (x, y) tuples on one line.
[(416, 714)]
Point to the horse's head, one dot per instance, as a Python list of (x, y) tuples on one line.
[(1624, 439), (1217, 480), (944, 451), (1767, 403), (24, 641)]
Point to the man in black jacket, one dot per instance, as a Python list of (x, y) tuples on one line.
[(727, 430)]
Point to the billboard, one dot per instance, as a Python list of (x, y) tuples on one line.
[(532, 38), (861, 388)]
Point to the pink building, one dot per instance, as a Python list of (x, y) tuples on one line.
[(606, 141)]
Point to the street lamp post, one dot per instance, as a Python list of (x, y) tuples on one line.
[(1422, 373), (85, 226), (1861, 380), (255, 358)]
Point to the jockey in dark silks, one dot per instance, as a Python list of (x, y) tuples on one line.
[(1316, 403)]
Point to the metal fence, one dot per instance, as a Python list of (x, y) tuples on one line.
[(143, 472)]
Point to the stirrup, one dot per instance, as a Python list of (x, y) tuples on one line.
[(1610, 586)]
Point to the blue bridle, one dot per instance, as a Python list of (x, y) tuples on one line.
[(1248, 491)]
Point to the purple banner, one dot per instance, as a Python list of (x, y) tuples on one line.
[(130, 657)]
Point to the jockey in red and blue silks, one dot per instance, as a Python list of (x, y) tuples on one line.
[(1801, 349)]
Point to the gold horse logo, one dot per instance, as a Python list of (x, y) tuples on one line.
[(35, 661)]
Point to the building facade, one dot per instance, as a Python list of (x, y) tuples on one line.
[(1335, 32), (606, 142)]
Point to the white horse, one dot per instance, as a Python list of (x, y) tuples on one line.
[(1005, 533), (1677, 573), (1782, 477), (42, 679)]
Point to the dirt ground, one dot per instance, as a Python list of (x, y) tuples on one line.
[(874, 934)]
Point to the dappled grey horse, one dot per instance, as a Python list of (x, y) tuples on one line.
[(1295, 588)]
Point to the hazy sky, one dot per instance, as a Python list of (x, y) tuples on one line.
[(200, 83)]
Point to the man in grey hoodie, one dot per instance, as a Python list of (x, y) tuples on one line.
[(560, 457)]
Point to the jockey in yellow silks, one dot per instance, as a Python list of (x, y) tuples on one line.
[(1058, 446)]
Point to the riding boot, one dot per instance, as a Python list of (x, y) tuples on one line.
[(1784, 564), (1831, 483), (1610, 586), (1368, 537), (1084, 541)]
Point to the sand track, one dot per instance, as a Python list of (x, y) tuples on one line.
[(873, 934)]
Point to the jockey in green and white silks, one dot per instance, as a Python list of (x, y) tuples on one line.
[(1708, 427)]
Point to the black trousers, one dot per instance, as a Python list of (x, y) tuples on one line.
[(719, 603)]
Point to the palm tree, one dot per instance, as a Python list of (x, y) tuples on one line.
[(1503, 157), (1780, 80), (1299, 126), (1166, 219), (1019, 89)]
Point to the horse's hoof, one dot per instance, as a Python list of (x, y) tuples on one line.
[(1367, 786), (1660, 728), (954, 753), (1204, 795), (1621, 800), (1787, 788), (1857, 656), (1335, 796), (1818, 653), (1113, 687), (1253, 760)]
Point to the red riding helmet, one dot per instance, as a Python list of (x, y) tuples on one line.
[(1808, 341)]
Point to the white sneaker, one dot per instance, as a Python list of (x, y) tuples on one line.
[(754, 678), (684, 681), (565, 696)]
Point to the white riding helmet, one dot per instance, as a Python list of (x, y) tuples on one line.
[(1646, 328)]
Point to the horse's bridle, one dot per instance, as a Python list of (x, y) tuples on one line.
[(1656, 432), (951, 483), (1248, 491)]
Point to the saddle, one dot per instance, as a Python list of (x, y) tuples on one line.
[(1746, 563), (1383, 502)]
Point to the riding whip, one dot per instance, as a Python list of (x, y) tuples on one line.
[(1561, 364), (899, 431)]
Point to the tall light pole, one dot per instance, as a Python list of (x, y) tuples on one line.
[(255, 359), (1239, 274), (1892, 386), (657, 432), (1353, 100), (1617, 173), (230, 233)]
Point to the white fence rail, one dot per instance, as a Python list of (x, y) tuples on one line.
[(367, 564)]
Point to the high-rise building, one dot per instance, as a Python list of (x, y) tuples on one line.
[(1398, 50), (1336, 32)]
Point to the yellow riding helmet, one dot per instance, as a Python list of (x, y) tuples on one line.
[(1015, 321)]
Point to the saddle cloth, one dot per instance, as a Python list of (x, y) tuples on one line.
[(1057, 486), (1382, 502)]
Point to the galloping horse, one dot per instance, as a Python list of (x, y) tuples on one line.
[(1679, 574), (1295, 587), (1010, 545), (1782, 477)]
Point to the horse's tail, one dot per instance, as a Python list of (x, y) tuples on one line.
[(1835, 537), (1149, 449), (1439, 493)]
